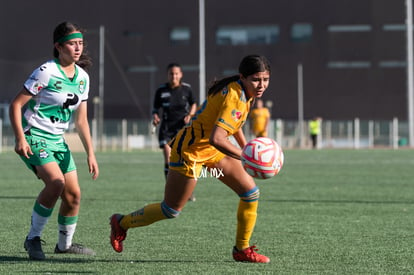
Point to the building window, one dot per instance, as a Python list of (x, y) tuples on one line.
[(229, 72), (394, 27), (349, 64), (301, 32), (180, 35), (349, 28), (393, 64), (245, 35)]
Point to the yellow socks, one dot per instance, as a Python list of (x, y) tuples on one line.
[(145, 216), (246, 220)]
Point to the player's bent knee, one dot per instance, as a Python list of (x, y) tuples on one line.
[(251, 195), (168, 211)]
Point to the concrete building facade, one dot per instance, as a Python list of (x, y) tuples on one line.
[(353, 52)]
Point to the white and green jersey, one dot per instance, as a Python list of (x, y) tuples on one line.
[(55, 97)]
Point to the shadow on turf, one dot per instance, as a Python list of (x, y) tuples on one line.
[(341, 201), (17, 197), (277, 200), (13, 259), (84, 199), (34, 198)]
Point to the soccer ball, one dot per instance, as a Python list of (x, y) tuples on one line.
[(262, 158)]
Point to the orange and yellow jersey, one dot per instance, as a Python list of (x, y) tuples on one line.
[(259, 117), (227, 109)]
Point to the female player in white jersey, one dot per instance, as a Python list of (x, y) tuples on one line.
[(53, 93)]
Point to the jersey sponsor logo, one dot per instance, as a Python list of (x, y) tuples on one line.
[(221, 120), (236, 115), (65, 113), (164, 95), (54, 119), (72, 99), (37, 86)]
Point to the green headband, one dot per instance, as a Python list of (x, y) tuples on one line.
[(69, 37)]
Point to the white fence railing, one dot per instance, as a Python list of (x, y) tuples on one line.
[(126, 135)]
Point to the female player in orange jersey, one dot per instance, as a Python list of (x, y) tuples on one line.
[(260, 117), (204, 142)]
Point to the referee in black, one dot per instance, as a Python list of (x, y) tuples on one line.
[(174, 105)]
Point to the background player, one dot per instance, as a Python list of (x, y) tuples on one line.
[(315, 130), (260, 117)]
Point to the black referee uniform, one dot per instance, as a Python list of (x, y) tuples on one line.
[(175, 104)]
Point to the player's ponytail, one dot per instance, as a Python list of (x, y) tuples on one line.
[(218, 85)]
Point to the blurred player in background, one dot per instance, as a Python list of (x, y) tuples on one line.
[(205, 143), (175, 100), (55, 92), (260, 117), (315, 130)]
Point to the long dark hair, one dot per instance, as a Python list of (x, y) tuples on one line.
[(64, 29), (249, 65)]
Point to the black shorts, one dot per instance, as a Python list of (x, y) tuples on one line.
[(168, 130)]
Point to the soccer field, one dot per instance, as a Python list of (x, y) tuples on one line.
[(327, 212)]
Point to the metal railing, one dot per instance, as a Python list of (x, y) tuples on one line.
[(127, 135)]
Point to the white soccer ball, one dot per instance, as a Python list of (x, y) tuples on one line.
[(262, 158)]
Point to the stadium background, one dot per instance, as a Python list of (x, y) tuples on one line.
[(353, 52), (328, 212)]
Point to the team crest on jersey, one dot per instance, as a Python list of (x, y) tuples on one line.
[(43, 154), (81, 86), (224, 91), (236, 115)]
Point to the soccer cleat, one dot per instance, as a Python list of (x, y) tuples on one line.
[(34, 248), (118, 234), (249, 255), (76, 249)]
